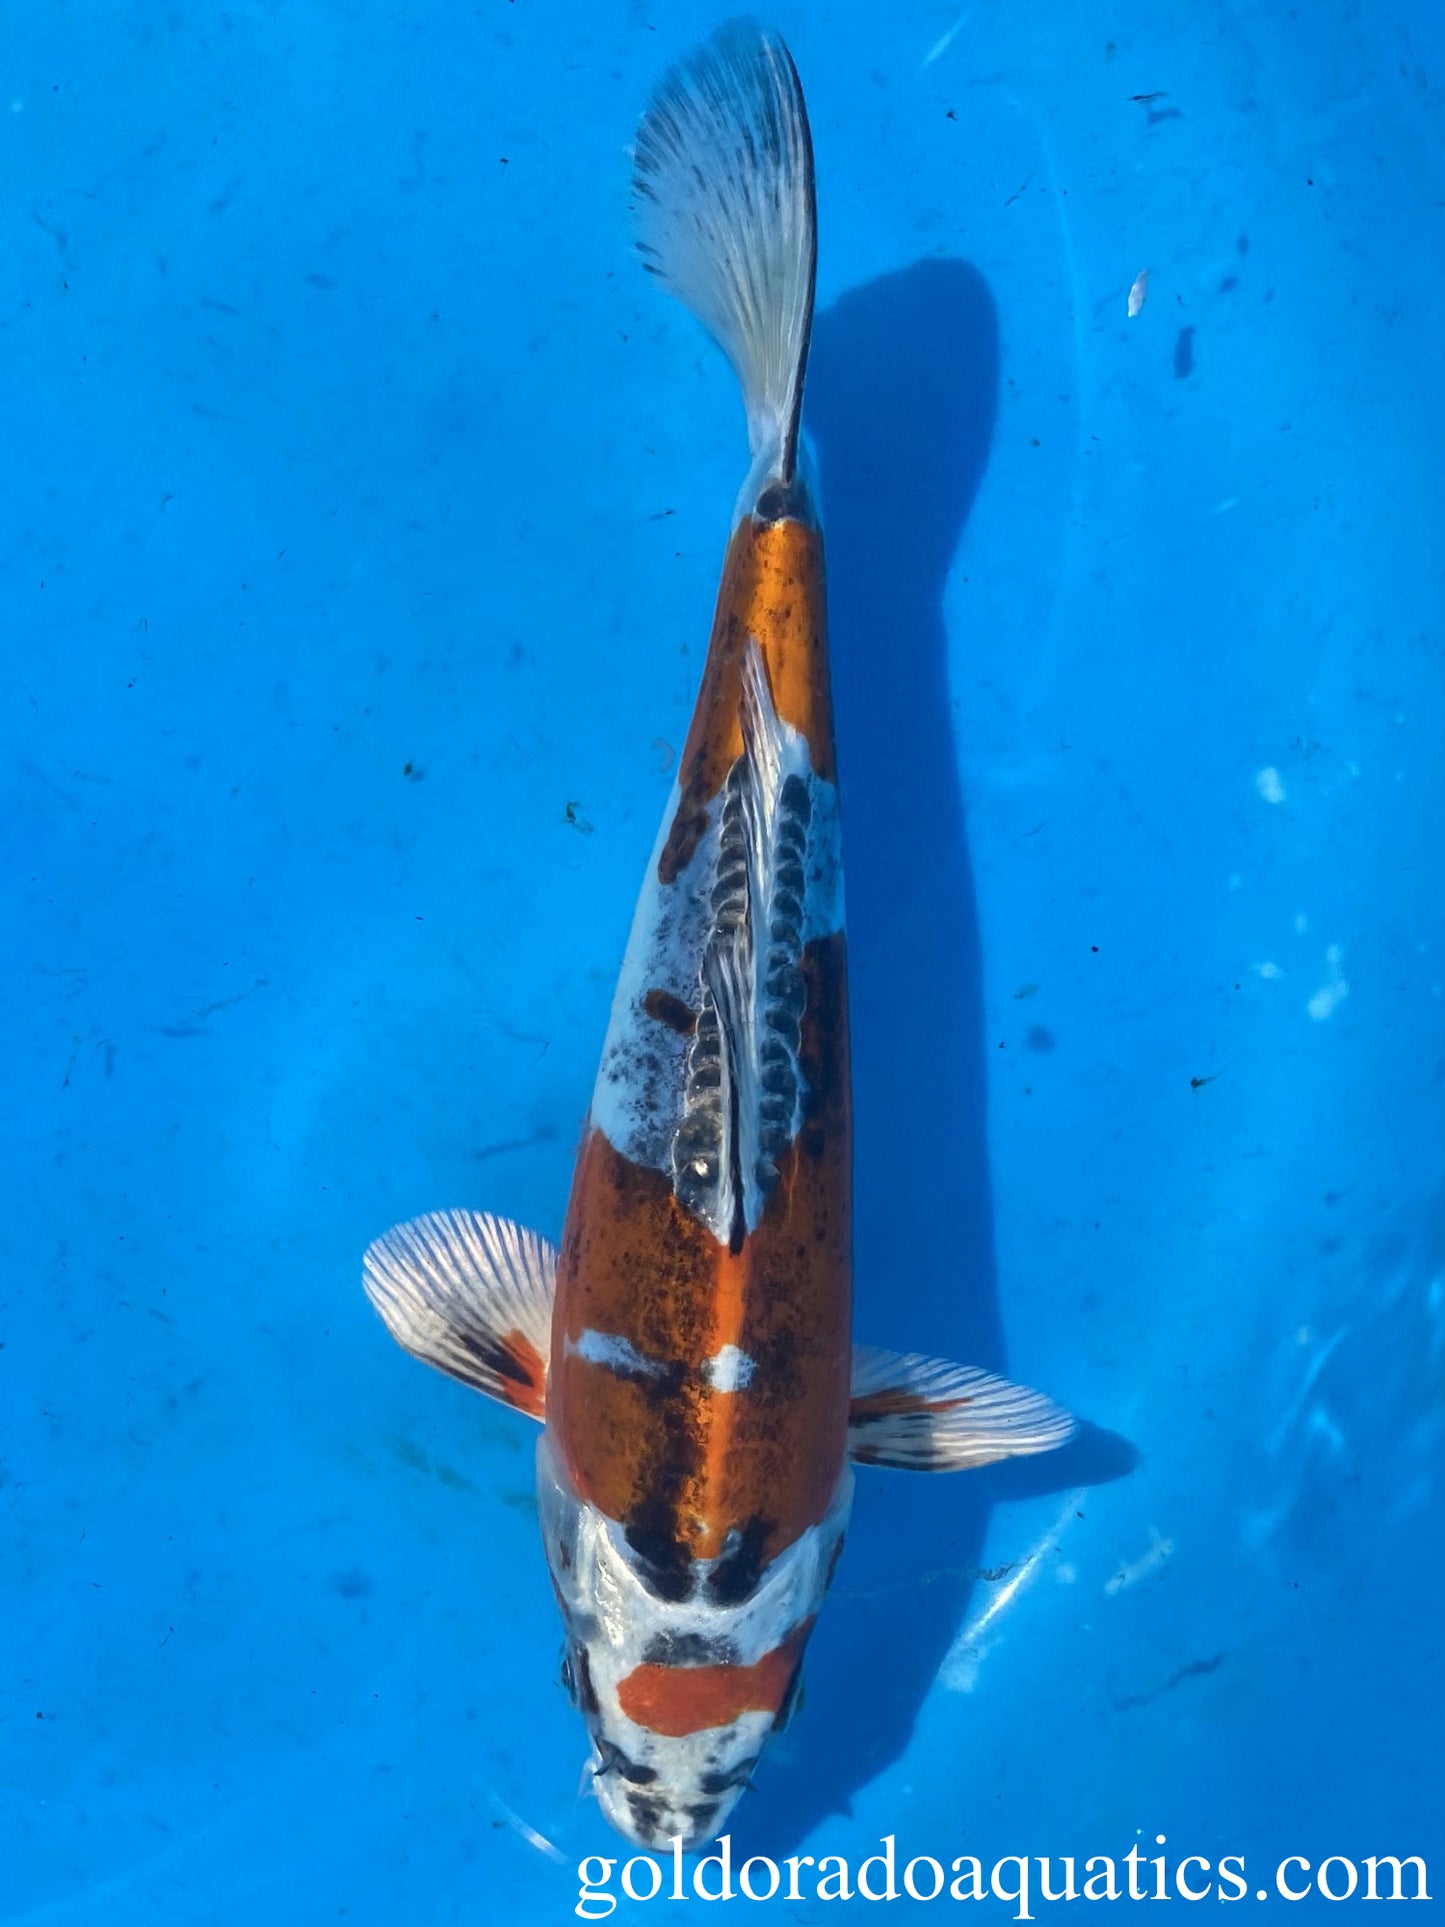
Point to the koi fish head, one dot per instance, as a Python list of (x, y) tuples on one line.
[(656, 1785), (679, 1693)]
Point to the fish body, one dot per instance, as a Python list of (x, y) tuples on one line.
[(688, 1347)]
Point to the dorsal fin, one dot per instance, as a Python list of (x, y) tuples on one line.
[(744, 1090)]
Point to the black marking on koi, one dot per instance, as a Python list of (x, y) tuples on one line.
[(690, 1649), (735, 1576)]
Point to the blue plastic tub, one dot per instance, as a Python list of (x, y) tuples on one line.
[(363, 510)]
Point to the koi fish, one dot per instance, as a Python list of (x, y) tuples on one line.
[(688, 1349)]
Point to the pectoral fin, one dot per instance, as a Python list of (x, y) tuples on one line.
[(472, 1295), (927, 1415)]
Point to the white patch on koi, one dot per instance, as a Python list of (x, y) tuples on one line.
[(616, 1354), (730, 1371)]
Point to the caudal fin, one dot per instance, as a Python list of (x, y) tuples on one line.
[(724, 186)]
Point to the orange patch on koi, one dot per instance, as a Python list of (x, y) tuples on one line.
[(678, 1700)]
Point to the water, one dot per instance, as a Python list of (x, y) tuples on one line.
[(363, 512)]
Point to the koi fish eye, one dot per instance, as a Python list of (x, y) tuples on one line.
[(576, 1676), (612, 1759)]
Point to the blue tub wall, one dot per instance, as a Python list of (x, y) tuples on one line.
[(342, 434)]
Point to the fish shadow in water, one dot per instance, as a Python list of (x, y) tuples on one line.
[(901, 401)]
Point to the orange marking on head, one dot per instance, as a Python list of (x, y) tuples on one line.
[(678, 1700)]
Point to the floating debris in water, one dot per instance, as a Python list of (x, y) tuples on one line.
[(1138, 292), (1161, 1551), (1332, 994)]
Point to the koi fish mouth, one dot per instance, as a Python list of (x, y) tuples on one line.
[(664, 1807)]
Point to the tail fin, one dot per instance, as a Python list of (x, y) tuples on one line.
[(724, 186)]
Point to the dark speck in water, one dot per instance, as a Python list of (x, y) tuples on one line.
[(1039, 1039), (410, 1454), (1184, 354)]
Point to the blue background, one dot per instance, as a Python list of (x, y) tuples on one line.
[(341, 434)]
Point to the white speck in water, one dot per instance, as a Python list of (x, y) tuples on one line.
[(1326, 1001), (1229, 502), (959, 1671), (1301, 923), (1269, 971), (1270, 785), (1138, 292), (528, 1833), (1160, 1552), (941, 46), (1066, 1572), (1328, 998)]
